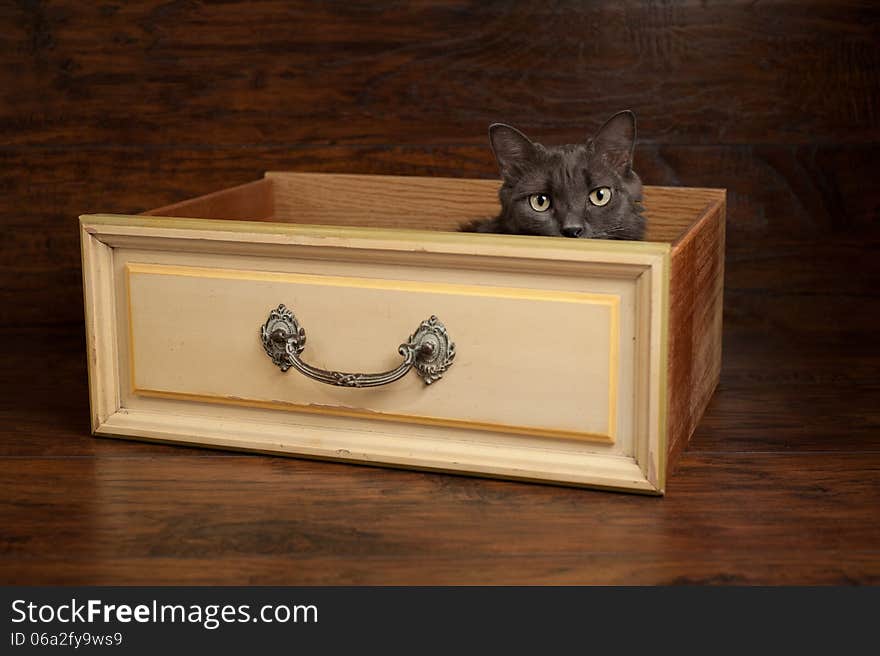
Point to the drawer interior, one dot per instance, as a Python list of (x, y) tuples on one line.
[(415, 203)]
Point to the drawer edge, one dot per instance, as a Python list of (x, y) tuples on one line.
[(386, 450)]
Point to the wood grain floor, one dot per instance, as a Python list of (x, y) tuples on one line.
[(119, 107)]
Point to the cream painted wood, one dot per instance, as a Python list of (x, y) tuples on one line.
[(625, 286), (101, 328), (362, 444), (523, 355), (243, 264)]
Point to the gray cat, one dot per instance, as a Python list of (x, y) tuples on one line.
[(584, 190)]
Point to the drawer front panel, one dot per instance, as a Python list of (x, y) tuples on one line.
[(559, 373), (528, 360)]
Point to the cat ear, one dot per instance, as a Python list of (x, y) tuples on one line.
[(616, 139), (512, 148)]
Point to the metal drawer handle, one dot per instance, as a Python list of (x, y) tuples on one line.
[(428, 349)]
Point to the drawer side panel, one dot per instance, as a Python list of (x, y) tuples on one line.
[(696, 291)]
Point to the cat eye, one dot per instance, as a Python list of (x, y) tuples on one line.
[(600, 196), (539, 202)]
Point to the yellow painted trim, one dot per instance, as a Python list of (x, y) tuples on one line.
[(609, 300), (132, 385), (384, 416), (613, 366), (374, 283)]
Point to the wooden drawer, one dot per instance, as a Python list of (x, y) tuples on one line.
[(572, 361)]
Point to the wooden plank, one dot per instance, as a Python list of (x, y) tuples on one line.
[(409, 202), (251, 201), (808, 519), (307, 567), (383, 72), (437, 203), (696, 287)]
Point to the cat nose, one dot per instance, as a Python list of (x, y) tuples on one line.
[(573, 231)]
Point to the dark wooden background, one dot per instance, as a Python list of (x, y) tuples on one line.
[(122, 106)]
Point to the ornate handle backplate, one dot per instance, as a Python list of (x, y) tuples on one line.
[(428, 350)]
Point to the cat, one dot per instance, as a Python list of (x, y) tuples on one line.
[(586, 191)]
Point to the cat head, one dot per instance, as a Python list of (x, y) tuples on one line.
[(586, 190)]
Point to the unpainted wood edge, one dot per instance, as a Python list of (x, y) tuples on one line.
[(329, 175), (723, 219), (198, 206), (715, 213), (371, 176), (672, 446), (721, 254), (170, 209), (663, 447), (688, 233), (271, 191)]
